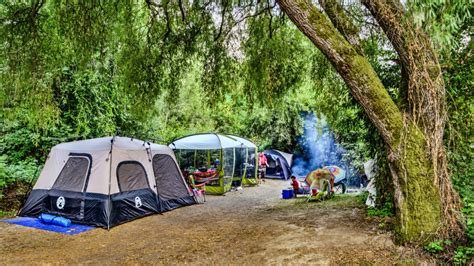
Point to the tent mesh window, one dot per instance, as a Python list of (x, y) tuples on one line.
[(73, 175), (185, 158), (131, 175), (229, 160), (240, 157), (169, 182), (251, 154)]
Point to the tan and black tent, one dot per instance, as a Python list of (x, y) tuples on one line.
[(108, 181)]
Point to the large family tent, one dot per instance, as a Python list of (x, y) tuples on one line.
[(208, 152), (247, 160), (279, 164), (108, 181)]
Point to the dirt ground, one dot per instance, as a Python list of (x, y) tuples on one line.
[(250, 226)]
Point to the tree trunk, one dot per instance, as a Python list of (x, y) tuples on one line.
[(425, 93), (414, 162)]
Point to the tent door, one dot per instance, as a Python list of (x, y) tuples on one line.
[(68, 193), (169, 181)]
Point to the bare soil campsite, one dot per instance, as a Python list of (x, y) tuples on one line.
[(250, 226)]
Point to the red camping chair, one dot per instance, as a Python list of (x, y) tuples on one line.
[(199, 189)]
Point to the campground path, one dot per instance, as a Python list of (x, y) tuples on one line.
[(251, 226)]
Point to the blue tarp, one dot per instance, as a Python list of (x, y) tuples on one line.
[(36, 223)]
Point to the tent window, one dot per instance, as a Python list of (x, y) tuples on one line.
[(229, 162), (74, 174), (169, 182), (131, 175)]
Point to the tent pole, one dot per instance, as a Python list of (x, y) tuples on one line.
[(110, 181), (256, 164), (195, 154), (208, 158), (245, 164)]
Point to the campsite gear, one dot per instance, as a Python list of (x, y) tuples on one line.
[(246, 160), (56, 220), (322, 192), (321, 183), (337, 172), (200, 195), (319, 196), (339, 178), (370, 169), (108, 181), (208, 173), (287, 193), (317, 178), (279, 164), (197, 150), (33, 222), (199, 188), (304, 187)]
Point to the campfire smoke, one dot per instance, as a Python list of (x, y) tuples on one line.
[(319, 147)]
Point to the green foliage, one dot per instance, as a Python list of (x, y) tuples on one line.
[(362, 197), (459, 83), (442, 19), (468, 212), (437, 246), (275, 59), (23, 171), (387, 210), (463, 255)]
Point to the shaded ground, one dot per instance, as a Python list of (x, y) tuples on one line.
[(251, 226)]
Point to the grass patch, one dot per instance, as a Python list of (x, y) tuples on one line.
[(338, 201), (7, 214), (387, 210)]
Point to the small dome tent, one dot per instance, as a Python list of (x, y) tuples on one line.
[(279, 164), (247, 160), (214, 153), (108, 181)]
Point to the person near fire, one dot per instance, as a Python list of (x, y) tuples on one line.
[(263, 164), (296, 186)]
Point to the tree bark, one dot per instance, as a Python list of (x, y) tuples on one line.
[(342, 23), (414, 173), (425, 93)]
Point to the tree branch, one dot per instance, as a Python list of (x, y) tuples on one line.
[(342, 22), (355, 69), (168, 21), (224, 7), (270, 30), (183, 15), (389, 15)]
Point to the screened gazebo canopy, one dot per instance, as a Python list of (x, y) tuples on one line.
[(206, 141), (233, 157), (245, 142), (247, 165)]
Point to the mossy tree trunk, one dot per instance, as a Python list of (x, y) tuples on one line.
[(425, 202)]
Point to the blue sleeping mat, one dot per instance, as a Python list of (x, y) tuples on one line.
[(36, 223)]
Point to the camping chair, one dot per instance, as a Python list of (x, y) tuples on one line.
[(304, 187), (199, 189), (323, 194)]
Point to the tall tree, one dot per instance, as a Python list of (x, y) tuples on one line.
[(426, 204)]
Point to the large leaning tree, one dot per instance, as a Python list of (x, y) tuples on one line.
[(426, 205)]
